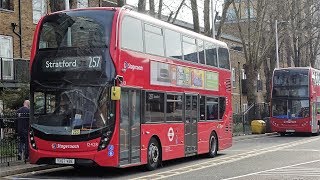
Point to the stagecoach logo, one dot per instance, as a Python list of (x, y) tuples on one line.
[(64, 146), (170, 134), (133, 67)]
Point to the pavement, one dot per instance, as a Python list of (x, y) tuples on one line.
[(20, 167)]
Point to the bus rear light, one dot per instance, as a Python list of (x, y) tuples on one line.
[(105, 139), (32, 141)]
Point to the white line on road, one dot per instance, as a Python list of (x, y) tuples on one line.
[(264, 172), (224, 160)]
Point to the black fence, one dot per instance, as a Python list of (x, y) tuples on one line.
[(8, 141), (242, 121)]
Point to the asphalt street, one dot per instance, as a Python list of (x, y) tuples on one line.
[(268, 157)]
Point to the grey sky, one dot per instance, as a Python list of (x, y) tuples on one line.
[(185, 13)]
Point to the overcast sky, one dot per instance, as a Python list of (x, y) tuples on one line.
[(185, 13)]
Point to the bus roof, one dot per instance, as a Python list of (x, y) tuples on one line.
[(154, 21), (295, 68)]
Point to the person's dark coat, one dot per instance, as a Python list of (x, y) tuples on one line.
[(23, 121)]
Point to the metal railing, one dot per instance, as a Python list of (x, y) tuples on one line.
[(8, 140), (242, 121), (14, 70)]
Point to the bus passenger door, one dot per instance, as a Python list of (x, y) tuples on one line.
[(191, 118), (130, 126)]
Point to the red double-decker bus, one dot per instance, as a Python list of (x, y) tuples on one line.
[(295, 100), (112, 87)]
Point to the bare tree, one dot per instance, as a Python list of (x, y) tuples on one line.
[(160, 9), (57, 5), (177, 12), (226, 6), (120, 3), (142, 6), (254, 32), (195, 16), (151, 8), (206, 17)]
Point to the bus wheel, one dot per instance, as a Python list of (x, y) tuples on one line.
[(153, 154), (282, 133), (213, 145)]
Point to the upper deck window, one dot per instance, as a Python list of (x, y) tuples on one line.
[(211, 54), (173, 44), (190, 52), (201, 52), (76, 29), (131, 35), (223, 55), (154, 40)]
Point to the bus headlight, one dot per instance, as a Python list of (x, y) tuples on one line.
[(31, 139), (105, 139)]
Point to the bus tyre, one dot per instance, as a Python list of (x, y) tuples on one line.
[(153, 154), (213, 145)]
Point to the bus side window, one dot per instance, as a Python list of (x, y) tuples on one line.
[(212, 108), (223, 56), (211, 55), (201, 52), (173, 44), (131, 34), (202, 108)]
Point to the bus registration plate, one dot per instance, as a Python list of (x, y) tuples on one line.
[(64, 161), (290, 130)]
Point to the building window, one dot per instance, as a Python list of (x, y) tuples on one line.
[(6, 4), (82, 3), (245, 107), (244, 76), (231, 15), (39, 10), (233, 78), (6, 55)]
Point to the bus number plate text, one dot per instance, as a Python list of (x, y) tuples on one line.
[(64, 161)]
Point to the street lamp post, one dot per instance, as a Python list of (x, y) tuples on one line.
[(277, 44)]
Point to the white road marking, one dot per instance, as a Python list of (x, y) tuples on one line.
[(273, 170), (224, 160)]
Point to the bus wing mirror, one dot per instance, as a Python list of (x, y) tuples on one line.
[(115, 93)]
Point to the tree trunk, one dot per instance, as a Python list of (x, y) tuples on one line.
[(206, 17), (160, 9), (195, 16), (142, 6), (120, 3), (226, 5), (57, 5), (152, 8)]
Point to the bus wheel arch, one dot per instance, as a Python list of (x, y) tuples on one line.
[(154, 153), (213, 145)]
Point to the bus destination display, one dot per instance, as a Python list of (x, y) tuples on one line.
[(83, 63)]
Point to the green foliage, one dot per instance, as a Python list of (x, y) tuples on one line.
[(13, 98), (8, 148)]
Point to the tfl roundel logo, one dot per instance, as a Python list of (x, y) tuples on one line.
[(54, 146)]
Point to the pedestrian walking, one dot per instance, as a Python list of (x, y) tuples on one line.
[(22, 128)]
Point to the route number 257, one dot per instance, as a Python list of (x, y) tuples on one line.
[(94, 62)]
